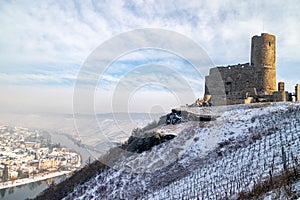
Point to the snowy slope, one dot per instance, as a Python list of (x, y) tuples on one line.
[(207, 160)]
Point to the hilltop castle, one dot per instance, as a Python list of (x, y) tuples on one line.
[(249, 82)]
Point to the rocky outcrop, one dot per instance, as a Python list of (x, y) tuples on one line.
[(145, 142)]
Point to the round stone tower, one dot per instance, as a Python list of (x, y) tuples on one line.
[(263, 57)]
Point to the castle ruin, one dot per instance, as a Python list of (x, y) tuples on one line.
[(248, 82)]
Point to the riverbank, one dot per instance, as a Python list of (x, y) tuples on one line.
[(18, 182)]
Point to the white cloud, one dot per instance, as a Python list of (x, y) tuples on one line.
[(46, 42), (67, 31), (33, 79)]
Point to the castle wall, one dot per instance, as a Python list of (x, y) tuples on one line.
[(281, 86), (233, 82), (297, 92), (280, 96), (214, 86), (263, 50), (263, 56), (228, 84)]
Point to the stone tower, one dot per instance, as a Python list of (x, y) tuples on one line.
[(263, 58)]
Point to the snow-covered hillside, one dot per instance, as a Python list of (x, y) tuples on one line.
[(207, 160)]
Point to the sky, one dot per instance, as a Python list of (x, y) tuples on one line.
[(44, 45)]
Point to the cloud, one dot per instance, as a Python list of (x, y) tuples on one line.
[(67, 25), (46, 43), (51, 78), (67, 31)]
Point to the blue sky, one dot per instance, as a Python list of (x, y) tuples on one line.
[(43, 44)]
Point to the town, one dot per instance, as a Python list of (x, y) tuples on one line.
[(29, 154)]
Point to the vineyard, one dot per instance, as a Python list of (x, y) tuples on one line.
[(245, 146)]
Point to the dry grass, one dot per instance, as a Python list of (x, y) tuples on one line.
[(283, 180)]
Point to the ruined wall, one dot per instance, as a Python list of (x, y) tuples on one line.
[(239, 81), (280, 96), (214, 86), (233, 82), (281, 86), (297, 92), (263, 57), (263, 50)]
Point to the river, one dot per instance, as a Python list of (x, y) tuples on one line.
[(28, 190), (58, 123), (33, 189)]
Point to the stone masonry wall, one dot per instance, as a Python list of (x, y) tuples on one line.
[(242, 80)]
